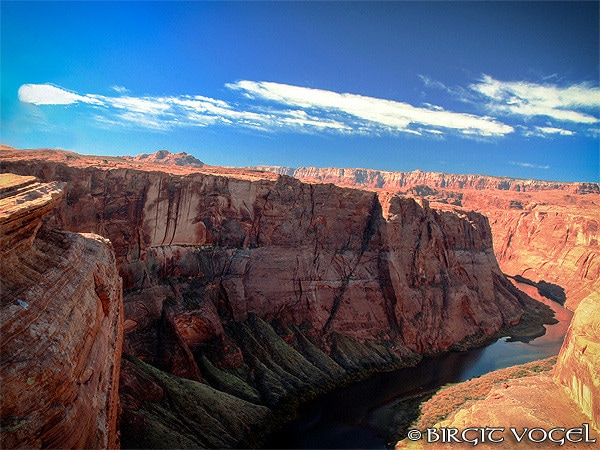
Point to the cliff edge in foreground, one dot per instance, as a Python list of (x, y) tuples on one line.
[(61, 307)]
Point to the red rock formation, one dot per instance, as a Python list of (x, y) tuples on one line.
[(381, 179), (23, 204), (166, 157), (578, 365), (344, 260), (61, 307), (265, 287), (544, 231)]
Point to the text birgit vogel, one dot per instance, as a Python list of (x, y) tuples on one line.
[(479, 435)]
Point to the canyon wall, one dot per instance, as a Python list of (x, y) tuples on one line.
[(547, 232), (578, 362), (354, 262), (61, 306), (246, 291), (382, 179)]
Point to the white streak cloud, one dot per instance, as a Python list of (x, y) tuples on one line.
[(163, 113), (369, 113), (566, 104), (529, 165), (119, 89), (554, 130)]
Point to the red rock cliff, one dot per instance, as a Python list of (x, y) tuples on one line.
[(266, 288), (578, 364), (346, 261), (61, 306), (545, 231)]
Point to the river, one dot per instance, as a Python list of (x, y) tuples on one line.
[(360, 415)]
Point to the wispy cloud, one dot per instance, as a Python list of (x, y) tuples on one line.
[(529, 165), (371, 114), (572, 109), (273, 107), (119, 89), (167, 112), (565, 104), (554, 130)]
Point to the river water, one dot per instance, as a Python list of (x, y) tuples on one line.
[(358, 415)]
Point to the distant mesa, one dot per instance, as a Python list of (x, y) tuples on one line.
[(166, 157)]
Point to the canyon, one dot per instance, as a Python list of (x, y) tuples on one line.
[(544, 232), (246, 291)]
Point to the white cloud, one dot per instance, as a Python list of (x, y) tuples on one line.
[(529, 165), (119, 89), (163, 113), (48, 94), (144, 105), (374, 113), (270, 107), (553, 130), (568, 104)]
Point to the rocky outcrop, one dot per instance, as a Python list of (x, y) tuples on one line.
[(578, 365), (547, 232), (270, 289), (61, 307), (166, 157), (24, 202)]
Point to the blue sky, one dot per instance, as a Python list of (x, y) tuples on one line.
[(497, 88)]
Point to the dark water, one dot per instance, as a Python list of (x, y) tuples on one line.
[(357, 416)]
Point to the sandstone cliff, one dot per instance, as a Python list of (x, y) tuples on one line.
[(382, 179), (578, 365), (344, 260), (61, 306), (547, 232), (266, 288)]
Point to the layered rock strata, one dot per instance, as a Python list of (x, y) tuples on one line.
[(270, 289), (382, 179), (61, 307), (547, 232), (349, 261), (578, 365)]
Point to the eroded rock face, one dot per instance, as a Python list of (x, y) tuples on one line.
[(344, 260), (24, 202), (61, 307), (547, 232), (578, 365), (370, 178), (267, 288), (552, 241)]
